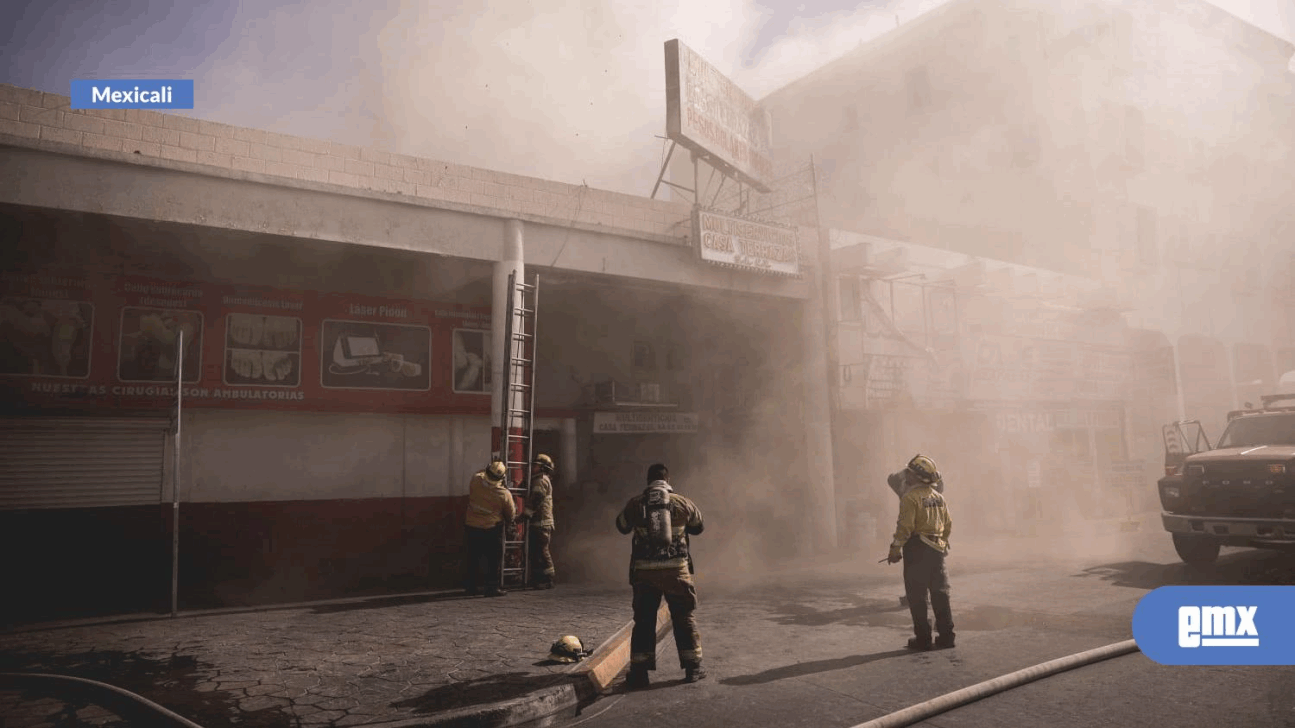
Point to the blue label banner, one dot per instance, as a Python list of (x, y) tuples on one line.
[(1217, 625), (121, 93)]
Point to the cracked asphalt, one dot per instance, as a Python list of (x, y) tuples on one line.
[(333, 664)]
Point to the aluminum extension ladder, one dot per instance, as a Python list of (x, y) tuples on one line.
[(518, 413)]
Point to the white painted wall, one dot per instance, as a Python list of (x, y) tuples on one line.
[(236, 456)]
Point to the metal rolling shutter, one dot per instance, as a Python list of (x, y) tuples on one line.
[(58, 462)]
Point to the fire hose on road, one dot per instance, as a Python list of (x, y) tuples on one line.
[(122, 702), (959, 698)]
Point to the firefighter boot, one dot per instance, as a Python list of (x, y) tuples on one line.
[(637, 678), (944, 641), (693, 674)]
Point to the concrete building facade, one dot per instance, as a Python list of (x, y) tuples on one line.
[(1098, 191), (340, 322)]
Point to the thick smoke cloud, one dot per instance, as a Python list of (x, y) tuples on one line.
[(562, 90), (575, 91)]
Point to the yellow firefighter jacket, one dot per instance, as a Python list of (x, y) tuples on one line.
[(489, 503), (539, 504), (922, 511)]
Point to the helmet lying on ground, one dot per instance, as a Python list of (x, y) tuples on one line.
[(567, 650)]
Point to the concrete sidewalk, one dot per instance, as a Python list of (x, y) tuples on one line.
[(418, 659), (429, 659)]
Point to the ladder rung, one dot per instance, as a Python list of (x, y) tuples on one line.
[(522, 335), (519, 386)]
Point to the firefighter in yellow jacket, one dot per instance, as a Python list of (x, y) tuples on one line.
[(539, 512), (490, 508), (660, 566), (922, 542)]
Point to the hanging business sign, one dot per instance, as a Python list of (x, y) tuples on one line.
[(711, 116), (639, 423), (736, 242)]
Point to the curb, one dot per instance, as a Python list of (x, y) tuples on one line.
[(589, 678), (132, 617)]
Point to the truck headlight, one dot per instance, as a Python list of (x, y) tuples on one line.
[(1195, 470), (1278, 468), (1171, 492)]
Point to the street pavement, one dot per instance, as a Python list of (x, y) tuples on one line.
[(347, 663), (820, 642), (825, 654)]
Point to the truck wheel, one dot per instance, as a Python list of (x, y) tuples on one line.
[(1196, 549)]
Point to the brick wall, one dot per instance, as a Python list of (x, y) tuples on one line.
[(29, 114)]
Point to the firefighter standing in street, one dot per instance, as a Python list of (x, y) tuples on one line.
[(539, 513), (660, 566), (922, 542), (490, 507)]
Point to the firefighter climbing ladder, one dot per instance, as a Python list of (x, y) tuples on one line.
[(518, 413)]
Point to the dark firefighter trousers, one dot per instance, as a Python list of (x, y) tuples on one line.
[(542, 569), (924, 572), (680, 594), (485, 554)]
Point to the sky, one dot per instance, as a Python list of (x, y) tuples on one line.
[(570, 90)]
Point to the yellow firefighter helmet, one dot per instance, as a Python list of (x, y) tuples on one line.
[(495, 471), (923, 469), (567, 650), (545, 462)]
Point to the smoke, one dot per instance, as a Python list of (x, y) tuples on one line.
[(575, 91), (560, 90)]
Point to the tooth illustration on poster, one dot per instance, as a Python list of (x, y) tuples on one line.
[(262, 351), (366, 355), (472, 361), (147, 347), (47, 338)]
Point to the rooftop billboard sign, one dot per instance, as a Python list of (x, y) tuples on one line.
[(707, 113)]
